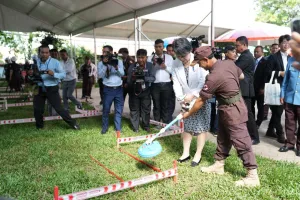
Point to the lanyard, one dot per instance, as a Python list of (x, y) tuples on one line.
[(46, 65)]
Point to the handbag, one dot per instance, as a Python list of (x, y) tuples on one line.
[(272, 92)]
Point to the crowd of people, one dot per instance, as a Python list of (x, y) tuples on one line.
[(183, 74)]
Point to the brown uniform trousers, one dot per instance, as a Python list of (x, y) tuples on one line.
[(238, 136)]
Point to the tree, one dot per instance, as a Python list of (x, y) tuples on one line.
[(50, 39), (20, 43), (280, 12), (8, 40), (80, 54)]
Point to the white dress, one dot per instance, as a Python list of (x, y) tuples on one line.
[(200, 121)]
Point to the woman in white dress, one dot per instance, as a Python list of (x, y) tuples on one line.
[(188, 80)]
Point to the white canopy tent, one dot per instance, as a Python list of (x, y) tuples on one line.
[(72, 17), (66, 17), (153, 29)]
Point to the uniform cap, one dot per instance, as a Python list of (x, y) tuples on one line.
[(202, 52)]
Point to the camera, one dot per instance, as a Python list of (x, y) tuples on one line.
[(197, 41), (217, 52), (112, 59), (138, 72), (35, 77), (159, 61)]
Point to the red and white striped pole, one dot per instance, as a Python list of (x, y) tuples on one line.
[(56, 193), (145, 137), (90, 113), (119, 186)]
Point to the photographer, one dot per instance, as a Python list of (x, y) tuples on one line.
[(161, 89), (111, 70), (49, 72), (127, 61), (140, 77)]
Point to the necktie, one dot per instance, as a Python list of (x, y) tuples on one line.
[(256, 63)]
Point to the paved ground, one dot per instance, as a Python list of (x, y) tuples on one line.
[(267, 148)]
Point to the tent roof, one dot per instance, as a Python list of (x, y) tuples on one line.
[(74, 16), (153, 29)]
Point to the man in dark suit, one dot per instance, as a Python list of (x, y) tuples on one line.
[(259, 84), (246, 63), (277, 62)]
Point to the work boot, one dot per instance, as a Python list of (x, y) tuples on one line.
[(251, 180), (217, 167)]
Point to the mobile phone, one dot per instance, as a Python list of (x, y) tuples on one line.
[(296, 25)]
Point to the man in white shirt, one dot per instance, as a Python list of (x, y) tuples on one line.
[(161, 89), (69, 82), (277, 62)]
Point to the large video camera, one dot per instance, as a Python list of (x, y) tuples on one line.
[(139, 79), (112, 59), (197, 41)]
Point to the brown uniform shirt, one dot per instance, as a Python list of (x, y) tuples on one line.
[(223, 82)]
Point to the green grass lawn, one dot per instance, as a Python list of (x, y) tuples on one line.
[(79, 84), (33, 161), (3, 83)]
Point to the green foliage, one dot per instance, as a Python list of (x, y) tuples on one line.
[(80, 54), (279, 12), (20, 43), (8, 39), (29, 46), (1, 58), (49, 38)]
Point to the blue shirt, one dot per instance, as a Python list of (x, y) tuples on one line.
[(290, 89), (115, 76), (53, 65)]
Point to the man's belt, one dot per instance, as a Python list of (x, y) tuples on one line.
[(228, 101), (113, 87)]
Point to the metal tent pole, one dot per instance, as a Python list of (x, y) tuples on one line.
[(95, 46), (212, 24)]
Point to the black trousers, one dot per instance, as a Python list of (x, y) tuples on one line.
[(140, 106), (172, 105), (125, 92), (101, 86), (259, 100), (251, 125), (87, 85), (275, 121), (162, 96), (53, 98)]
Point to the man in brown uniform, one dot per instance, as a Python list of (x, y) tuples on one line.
[(223, 82)]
